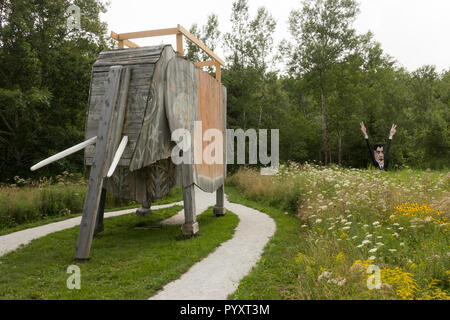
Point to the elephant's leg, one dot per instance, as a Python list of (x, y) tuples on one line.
[(142, 179), (145, 210), (190, 226), (99, 227), (219, 210)]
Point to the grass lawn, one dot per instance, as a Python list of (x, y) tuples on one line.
[(132, 259), (275, 276), (175, 195), (332, 224)]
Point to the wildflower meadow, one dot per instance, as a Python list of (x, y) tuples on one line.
[(366, 234)]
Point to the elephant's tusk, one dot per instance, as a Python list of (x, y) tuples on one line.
[(117, 156), (64, 153)]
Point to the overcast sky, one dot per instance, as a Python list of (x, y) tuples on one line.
[(414, 32)]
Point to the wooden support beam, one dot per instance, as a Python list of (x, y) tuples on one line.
[(209, 63), (130, 44), (190, 226), (200, 44), (93, 194), (219, 209), (180, 44), (179, 31), (122, 43), (145, 34), (218, 72)]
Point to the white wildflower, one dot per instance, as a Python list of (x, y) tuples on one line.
[(325, 274)]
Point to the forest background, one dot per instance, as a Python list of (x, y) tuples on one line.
[(315, 89)]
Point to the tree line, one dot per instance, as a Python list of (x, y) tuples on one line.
[(315, 87)]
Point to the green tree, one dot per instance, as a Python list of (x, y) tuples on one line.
[(44, 79), (262, 29), (323, 35), (209, 34)]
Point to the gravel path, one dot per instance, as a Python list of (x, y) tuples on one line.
[(219, 274), (213, 278), (12, 241)]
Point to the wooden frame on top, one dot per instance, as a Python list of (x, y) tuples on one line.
[(124, 40)]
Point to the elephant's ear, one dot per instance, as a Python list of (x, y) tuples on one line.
[(181, 95), (196, 102)]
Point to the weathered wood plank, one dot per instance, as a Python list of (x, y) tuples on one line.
[(138, 93), (210, 175), (115, 137), (154, 141), (95, 185), (190, 226)]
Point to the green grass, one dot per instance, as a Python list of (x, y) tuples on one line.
[(34, 213), (132, 259), (341, 222), (275, 277)]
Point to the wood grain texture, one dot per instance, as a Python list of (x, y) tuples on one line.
[(154, 141), (193, 95), (93, 194), (200, 44), (181, 104), (142, 63), (210, 112), (144, 120)]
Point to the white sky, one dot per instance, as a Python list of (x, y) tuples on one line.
[(414, 32)]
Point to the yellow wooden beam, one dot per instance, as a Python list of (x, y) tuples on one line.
[(123, 39), (218, 72), (209, 63), (130, 44), (180, 44), (145, 34), (127, 43), (200, 44)]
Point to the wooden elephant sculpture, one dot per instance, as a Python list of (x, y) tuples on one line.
[(138, 98)]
